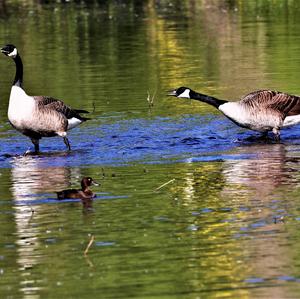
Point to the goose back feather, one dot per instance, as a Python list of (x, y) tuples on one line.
[(284, 103)]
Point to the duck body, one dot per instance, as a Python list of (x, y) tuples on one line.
[(84, 193), (74, 193), (38, 116), (261, 111)]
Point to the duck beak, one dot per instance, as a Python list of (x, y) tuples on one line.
[(95, 183), (172, 93)]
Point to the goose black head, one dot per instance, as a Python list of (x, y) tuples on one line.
[(88, 181), (181, 92), (10, 51)]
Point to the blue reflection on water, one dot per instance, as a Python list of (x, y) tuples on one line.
[(159, 140), (254, 280), (49, 200)]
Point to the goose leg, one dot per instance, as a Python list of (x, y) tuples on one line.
[(67, 143), (36, 145), (276, 133)]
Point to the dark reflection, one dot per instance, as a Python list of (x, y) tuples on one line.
[(3, 8), (87, 205)]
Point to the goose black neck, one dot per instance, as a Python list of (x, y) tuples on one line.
[(19, 71), (207, 99)]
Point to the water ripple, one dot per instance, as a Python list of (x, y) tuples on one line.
[(189, 139)]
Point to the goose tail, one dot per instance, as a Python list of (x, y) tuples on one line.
[(81, 111)]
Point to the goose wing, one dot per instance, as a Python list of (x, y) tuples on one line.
[(285, 104), (50, 103)]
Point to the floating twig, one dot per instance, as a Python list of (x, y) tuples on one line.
[(89, 245), (165, 184)]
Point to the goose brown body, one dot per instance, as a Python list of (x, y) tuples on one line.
[(262, 110), (283, 103), (38, 116)]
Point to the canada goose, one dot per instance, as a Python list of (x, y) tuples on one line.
[(38, 116), (84, 193), (262, 110)]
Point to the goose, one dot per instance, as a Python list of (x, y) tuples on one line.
[(38, 116), (261, 110), (84, 193)]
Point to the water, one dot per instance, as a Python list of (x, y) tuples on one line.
[(190, 205)]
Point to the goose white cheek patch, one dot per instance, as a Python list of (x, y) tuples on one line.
[(13, 54), (185, 94)]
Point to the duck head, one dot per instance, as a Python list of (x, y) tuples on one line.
[(87, 182)]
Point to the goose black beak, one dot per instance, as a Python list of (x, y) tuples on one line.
[(4, 51), (172, 93)]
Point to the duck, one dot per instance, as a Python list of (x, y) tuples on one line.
[(261, 110), (38, 116), (84, 193)]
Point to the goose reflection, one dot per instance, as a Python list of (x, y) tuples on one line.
[(263, 180), (30, 178), (266, 169), (234, 203)]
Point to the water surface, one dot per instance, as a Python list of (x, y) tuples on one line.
[(226, 222)]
